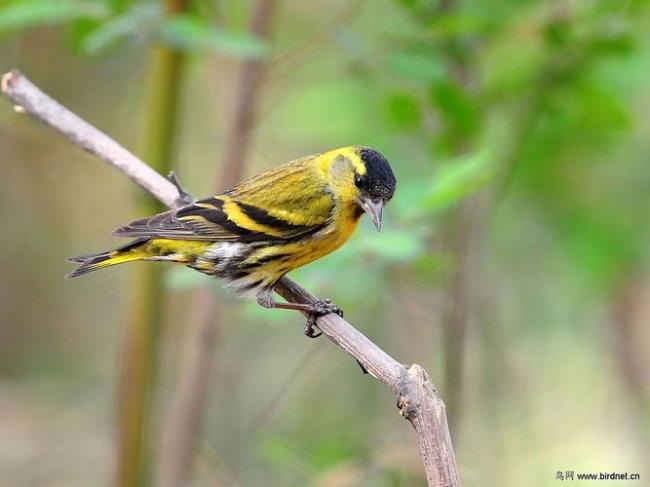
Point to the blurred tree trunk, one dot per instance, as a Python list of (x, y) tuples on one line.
[(181, 429), (248, 88), (464, 242), (630, 320), (464, 229), (141, 341)]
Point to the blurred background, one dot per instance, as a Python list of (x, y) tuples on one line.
[(513, 264)]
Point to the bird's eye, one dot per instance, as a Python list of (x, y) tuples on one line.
[(358, 181)]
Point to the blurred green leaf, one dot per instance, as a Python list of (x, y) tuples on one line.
[(79, 30), (557, 32), (31, 13), (457, 108), (614, 38), (121, 5), (461, 24), (600, 109), (332, 451), (458, 179), (192, 33), (395, 245), (598, 247), (133, 21), (416, 65), (403, 110), (429, 266), (406, 3), (278, 453)]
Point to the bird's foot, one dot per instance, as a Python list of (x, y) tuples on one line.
[(320, 308)]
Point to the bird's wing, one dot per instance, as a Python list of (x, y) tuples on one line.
[(203, 220), (286, 203)]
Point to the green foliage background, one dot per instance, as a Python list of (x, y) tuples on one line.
[(517, 129)]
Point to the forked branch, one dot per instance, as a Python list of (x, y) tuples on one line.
[(417, 398)]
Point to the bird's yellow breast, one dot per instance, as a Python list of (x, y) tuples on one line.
[(331, 238)]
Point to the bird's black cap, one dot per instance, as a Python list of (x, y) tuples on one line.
[(379, 180)]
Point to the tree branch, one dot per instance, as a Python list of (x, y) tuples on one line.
[(28, 98), (418, 400)]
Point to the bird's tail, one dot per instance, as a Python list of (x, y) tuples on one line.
[(135, 250)]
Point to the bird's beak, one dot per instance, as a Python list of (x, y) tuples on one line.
[(374, 210)]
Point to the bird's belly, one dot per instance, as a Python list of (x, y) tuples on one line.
[(310, 250), (250, 269)]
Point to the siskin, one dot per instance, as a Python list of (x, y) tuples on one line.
[(266, 226)]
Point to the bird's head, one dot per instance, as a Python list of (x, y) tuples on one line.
[(362, 177)]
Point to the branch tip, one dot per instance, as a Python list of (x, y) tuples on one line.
[(8, 79)]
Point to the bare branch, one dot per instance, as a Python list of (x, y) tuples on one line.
[(418, 400), (28, 98)]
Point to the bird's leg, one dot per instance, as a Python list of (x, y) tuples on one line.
[(313, 311), (184, 197)]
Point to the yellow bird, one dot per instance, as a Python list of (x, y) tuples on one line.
[(266, 226)]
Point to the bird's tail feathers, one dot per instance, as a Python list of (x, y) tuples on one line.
[(92, 262)]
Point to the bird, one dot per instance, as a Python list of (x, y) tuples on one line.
[(264, 227)]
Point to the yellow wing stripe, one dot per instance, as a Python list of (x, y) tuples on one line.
[(241, 219)]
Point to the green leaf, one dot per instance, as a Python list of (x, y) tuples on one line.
[(191, 33), (134, 20), (459, 179), (31, 13), (458, 109), (403, 110)]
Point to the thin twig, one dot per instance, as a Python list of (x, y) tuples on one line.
[(418, 399)]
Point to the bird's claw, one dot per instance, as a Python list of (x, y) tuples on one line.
[(320, 308), (311, 327)]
